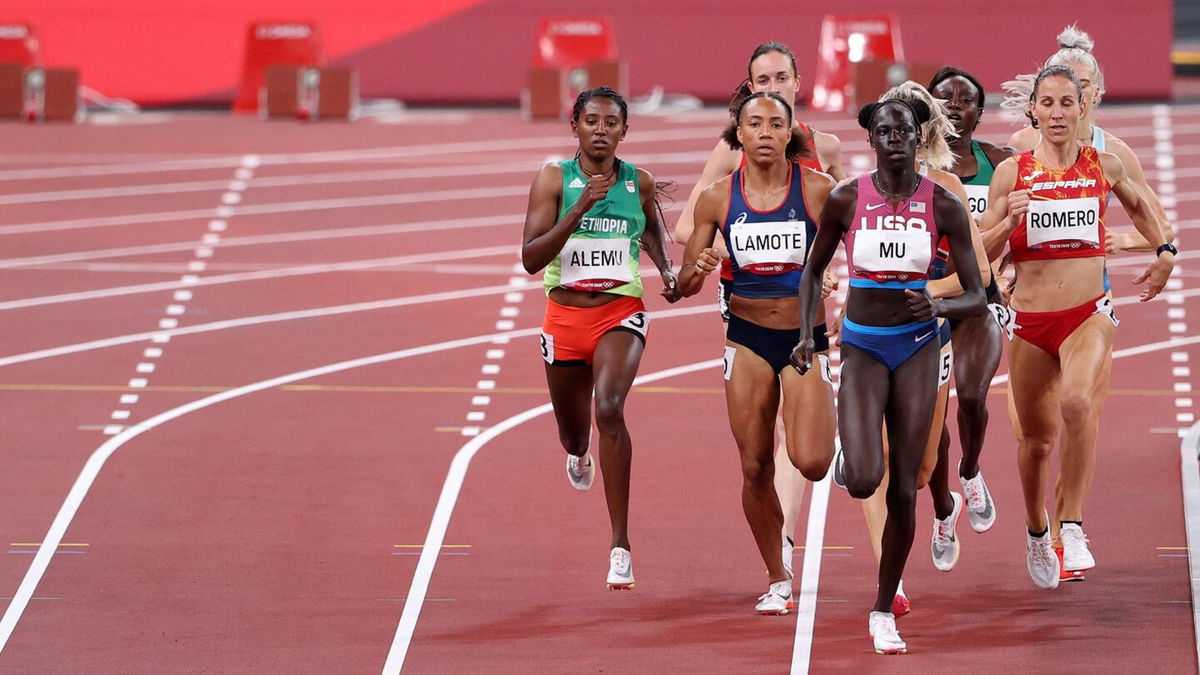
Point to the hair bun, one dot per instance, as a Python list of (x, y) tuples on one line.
[(921, 109), (865, 114), (1073, 38)]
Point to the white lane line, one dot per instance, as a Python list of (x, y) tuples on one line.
[(160, 337), (704, 130), (1189, 452), (306, 206), (100, 456), (1176, 312), (445, 508), (331, 178), (372, 154), (122, 435), (302, 270), (814, 548), (305, 236)]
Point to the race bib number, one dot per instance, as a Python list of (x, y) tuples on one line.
[(1068, 223), (769, 248), (977, 200), (1105, 307), (638, 322), (945, 365), (595, 264), (1003, 316), (727, 362), (892, 254), (548, 348)]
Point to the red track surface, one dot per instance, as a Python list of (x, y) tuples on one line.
[(279, 531)]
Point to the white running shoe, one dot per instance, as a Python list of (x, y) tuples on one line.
[(1041, 561), (882, 628), (944, 546), (839, 468), (777, 599), (981, 511), (1076, 556), (581, 471), (789, 549), (620, 570)]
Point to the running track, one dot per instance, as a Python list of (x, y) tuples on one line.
[(242, 361)]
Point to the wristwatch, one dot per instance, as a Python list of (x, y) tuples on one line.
[(1166, 247)]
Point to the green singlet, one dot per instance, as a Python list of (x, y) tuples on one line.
[(977, 186), (602, 253)]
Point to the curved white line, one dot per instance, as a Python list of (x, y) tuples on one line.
[(445, 508), (96, 461), (101, 455)]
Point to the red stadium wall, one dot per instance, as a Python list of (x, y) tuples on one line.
[(477, 51)]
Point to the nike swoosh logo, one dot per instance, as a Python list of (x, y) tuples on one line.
[(872, 207), (922, 337)]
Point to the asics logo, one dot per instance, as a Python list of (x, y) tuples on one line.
[(740, 219)]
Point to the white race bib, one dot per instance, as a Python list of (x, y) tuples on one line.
[(769, 248), (595, 264), (977, 200), (1063, 220), (905, 251)]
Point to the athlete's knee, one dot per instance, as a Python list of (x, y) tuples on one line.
[(1036, 448), (810, 465), (862, 483), (575, 443), (972, 401), (901, 498), (610, 413), (1076, 409), (758, 469)]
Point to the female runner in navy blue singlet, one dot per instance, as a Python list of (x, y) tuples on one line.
[(766, 212), (891, 220)]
